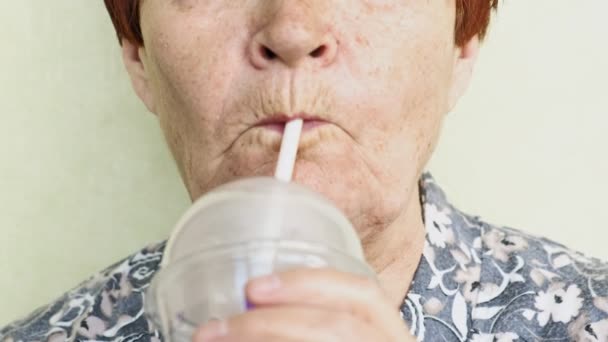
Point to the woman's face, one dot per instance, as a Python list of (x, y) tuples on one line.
[(376, 75)]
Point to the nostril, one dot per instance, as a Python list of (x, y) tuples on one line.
[(318, 52), (267, 53)]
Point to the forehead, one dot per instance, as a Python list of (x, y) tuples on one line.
[(362, 6)]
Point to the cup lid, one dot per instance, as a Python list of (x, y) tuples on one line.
[(261, 208)]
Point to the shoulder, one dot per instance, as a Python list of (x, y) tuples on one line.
[(532, 288), (482, 282), (107, 306)]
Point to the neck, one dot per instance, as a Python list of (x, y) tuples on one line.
[(394, 252)]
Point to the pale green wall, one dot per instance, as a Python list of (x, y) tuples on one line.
[(85, 178)]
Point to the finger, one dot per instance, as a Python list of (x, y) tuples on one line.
[(332, 291), (290, 323), (325, 287)]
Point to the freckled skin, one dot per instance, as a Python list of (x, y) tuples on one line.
[(385, 78)]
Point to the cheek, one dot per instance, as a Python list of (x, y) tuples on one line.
[(402, 68), (426, 94), (190, 87), (402, 121), (193, 84), (183, 73)]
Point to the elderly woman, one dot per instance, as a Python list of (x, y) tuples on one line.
[(373, 80)]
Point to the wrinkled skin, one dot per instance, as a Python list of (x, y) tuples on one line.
[(379, 74)]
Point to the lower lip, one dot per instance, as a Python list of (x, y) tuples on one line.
[(307, 126)]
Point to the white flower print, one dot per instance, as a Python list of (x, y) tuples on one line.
[(414, 307), (461, 258), (489, 291), (433, 306), (601, 303), (58, 336), (475, 282), (92, 327), (470, 278), (502, 245), (502, 337), (598, 330), (558, 304), (540, 275), (438, 226), (583, 330)]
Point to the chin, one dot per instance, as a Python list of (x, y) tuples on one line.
[(339, 187)]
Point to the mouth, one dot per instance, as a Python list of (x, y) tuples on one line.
[(277, 122), (268, 130)]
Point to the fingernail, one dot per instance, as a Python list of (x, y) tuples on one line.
[(212, 330), (265, 285)]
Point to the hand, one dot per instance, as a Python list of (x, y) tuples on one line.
[(312, 305)]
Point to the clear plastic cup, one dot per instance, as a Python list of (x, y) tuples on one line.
[(239, 231)]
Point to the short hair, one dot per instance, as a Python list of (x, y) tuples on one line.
[(472, 18)]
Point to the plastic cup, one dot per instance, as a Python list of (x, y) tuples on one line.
[(239, 231)]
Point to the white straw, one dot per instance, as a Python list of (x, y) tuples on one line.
[(289, 150), (274, 222)]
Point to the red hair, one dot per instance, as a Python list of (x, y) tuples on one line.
[(472, 18)]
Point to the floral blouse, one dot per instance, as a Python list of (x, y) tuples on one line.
[(475, 282)]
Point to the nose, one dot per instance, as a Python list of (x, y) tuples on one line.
[(295, 34)]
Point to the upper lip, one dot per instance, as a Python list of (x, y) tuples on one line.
[(280, 118)]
